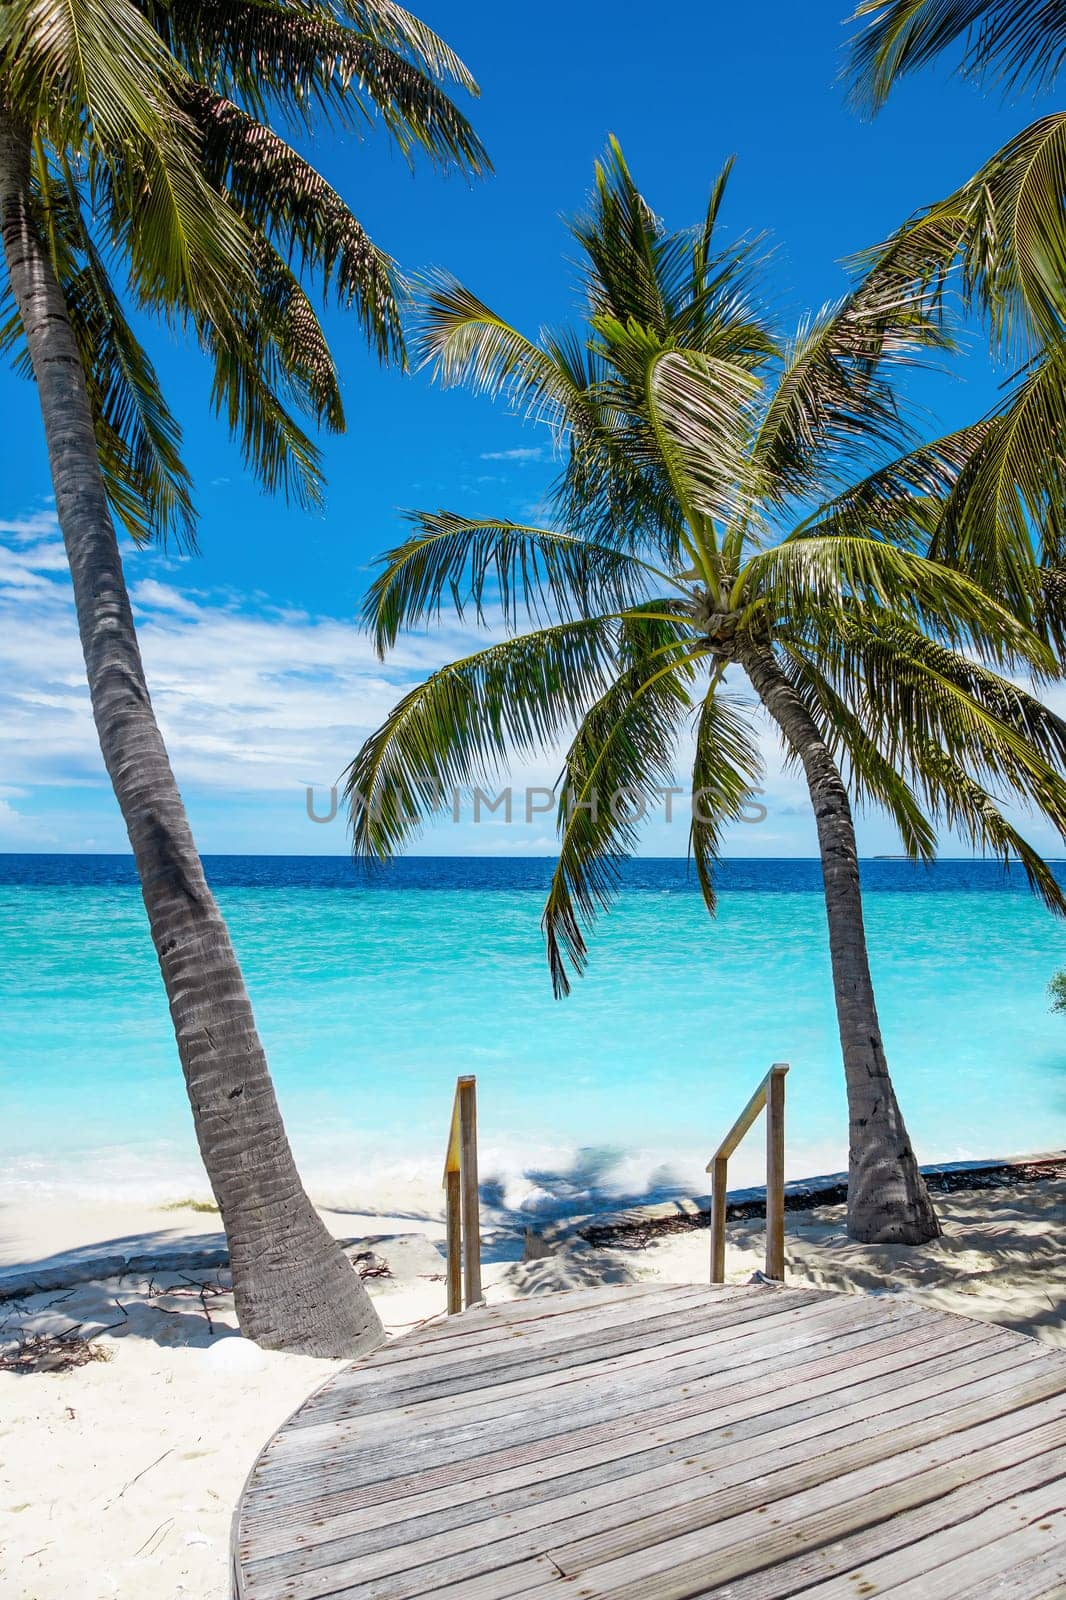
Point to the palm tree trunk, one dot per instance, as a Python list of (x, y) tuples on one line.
[(294, 1287), (888, 1202)]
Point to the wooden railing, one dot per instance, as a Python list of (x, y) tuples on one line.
[(461, 1195), (769, 1096)]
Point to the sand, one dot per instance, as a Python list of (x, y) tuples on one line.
[(119, 1478)]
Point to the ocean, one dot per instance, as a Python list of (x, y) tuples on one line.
[(373, 993)]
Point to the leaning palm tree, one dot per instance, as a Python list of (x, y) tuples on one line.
[(1000, 239), (140, 173), (712, 523)]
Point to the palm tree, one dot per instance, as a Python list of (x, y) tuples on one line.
[(139, 169), (1019, 43), (710, 520), (1001, 239)]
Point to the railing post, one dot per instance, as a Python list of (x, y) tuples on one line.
[(775, 1171), (768, 1097), (718, 1186), (467, 1092), (453, 1211)]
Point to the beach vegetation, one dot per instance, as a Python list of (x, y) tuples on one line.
[(742, 532), (999, 243), (146, 173)]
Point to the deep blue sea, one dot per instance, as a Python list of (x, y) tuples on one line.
[(373, 993)]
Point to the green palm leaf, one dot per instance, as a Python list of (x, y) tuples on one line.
[(458, 726), (1003, 232), (620, 761), (1020, 42), (280, 194), (341, 61), (726, 767), (874, 778), (516, 566), (808, 575), (836, 392), (465, 342), (1012, 492)]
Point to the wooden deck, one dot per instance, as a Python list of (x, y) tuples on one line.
[(650, 1444)]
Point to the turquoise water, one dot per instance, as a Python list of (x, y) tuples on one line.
[(371, 999)]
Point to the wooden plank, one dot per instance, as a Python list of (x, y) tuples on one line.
[(641, 1329), (886, 1377), (971, 1554), (749, 1443), (1042, 1577), (468, 1179), (706, 1395), (724, 1350), (470, 1342), (732, 1426), (646, 1513), (462, 1503), (971, 1455), (324, 1529), (453, 1212), (718, 1344), (737, 1423), (797, 1574), (981, 1400), (691, 1564), (626, 1479), (775, 1172), (550, 1304)]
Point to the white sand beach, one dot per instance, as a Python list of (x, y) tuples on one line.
[(119, 1477)]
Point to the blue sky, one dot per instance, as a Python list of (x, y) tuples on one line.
[(260, 680)]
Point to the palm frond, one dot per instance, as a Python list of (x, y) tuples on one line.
[(86, 76), (726, 767), (334, 59), (625, 245), (971, 810), (465, 342), (394, 26), (912, 693), (1021, 43), (279, 194), (1012, 493), (872, 777), (275, 447), (903, 501), (1002, 232), (95, 82), (620, 761), (458, 726), (518, 567), (807, 576), (138, 437), (293, 349), (692, 423), (835, 398)]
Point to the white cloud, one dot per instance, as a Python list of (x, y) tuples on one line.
[(34, 525), (530, 453), (248, 699), (256, 702), (149, 592)]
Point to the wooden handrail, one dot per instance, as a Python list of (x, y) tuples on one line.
[(770, 1095), (461, 1200)]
